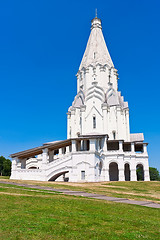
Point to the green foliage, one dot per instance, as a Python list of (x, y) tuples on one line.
[(5, 166), (140, 174), (154, 174)]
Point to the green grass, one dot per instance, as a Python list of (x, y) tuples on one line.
[(147, 191), (25, 191), (4, 177), (41, 215)]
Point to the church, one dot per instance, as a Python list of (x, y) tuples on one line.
[(99, 145)]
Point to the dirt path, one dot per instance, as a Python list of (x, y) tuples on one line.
[(88, 195)]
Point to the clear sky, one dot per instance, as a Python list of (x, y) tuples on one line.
[(41, 46)]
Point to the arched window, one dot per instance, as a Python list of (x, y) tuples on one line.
[(94, 122)]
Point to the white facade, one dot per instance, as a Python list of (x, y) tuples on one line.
[(99, 146), (98, 106)]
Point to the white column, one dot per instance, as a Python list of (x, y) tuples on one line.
[(105, 125), (23, 163), (68, 124), (146, 175), (51, 155), (83, 109), (82, 145), (121, 174), (18, 163), (14, 163), (133, 174), (127, 125), (108, 122), (105, 144), (92, 144), (146, 171), (145, 148), (44, 156), (73, 126), (119, 126), (132, 147), (106, 172), (60, 152), (121, 146), (14, 168), (73, 145), (121, 162), (67, 149)]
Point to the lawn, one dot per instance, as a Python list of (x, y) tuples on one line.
[(4, 177), (149, 191), (37, 214)]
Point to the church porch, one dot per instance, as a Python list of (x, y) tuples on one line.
[(86, 158)]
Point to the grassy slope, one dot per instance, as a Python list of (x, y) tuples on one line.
[(132, 190), (41, 215)]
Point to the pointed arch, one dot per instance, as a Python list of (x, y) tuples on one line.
[(79, 99)]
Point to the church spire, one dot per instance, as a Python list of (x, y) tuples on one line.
[(96, 51), (96, 13)]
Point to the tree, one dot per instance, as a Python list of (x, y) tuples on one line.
[(140, 174), (154, 174), (5, 166)]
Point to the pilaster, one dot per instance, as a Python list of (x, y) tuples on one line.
[(127, 125), (133, 173), (121, 174), (83, 109), (105, 144), (146, 175), (105, 125), (73, 123), (92, 144)]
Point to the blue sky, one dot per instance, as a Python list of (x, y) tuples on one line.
[(41, 46)]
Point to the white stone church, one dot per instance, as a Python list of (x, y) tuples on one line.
[(99, 145)]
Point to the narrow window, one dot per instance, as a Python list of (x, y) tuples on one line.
[(80, 122), (114, 135), (94, 122), (82, 175), (94, 55)]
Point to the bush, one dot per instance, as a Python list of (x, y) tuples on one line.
[(154, 174), (5, 166)]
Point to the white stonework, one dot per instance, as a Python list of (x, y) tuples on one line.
[(98, 98), (99, 146)]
